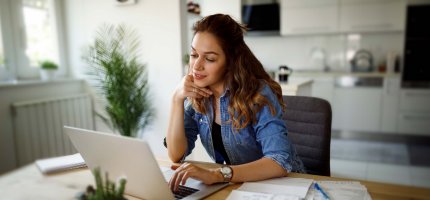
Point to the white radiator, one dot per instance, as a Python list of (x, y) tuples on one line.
[(38, 126)]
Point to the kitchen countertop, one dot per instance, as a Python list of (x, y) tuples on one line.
[(294, 83), (297, 86), (343, 73)]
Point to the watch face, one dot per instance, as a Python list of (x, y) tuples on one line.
[(226, 170)]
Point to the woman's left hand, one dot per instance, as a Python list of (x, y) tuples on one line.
[(188, 170)]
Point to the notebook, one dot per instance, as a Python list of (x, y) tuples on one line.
[(62, 163), (131, 158)]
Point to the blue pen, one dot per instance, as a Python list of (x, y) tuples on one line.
[(317, 187)]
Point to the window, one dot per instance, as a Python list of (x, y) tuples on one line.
[(39, 30), (28, 35)]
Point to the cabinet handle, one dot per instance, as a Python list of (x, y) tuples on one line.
[(413, 94), (416, 117), (385, 25), (301, 29)]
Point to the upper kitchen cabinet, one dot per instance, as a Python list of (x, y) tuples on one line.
[(309, 16), (230, 7), (372, 15)]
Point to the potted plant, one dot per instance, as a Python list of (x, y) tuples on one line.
[(120, 78), (105, 189), (47, 70)]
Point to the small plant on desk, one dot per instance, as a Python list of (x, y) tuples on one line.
[(105, 189)]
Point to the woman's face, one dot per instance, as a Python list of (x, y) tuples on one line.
[(207, 61)]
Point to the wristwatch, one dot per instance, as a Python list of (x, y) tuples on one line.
[(227, 173)]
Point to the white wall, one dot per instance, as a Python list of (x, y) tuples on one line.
[(158, 22)]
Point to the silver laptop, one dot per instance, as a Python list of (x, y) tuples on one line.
[(132, 158)]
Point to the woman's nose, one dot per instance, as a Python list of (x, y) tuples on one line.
[(198, 64)]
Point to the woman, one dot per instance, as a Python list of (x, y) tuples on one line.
[(235, 107)]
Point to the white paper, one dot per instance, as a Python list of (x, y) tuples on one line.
[(51, 165), (244, 195), (297, 187), (352, 190)]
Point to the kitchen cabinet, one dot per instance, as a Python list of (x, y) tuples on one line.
[(309, 16), (357, 109), (414, 114), (372, 15), (323, 87), (390, 104), (357, 104), (230, 7)]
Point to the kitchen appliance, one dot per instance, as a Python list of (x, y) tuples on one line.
[(416, 67), (283, 73), (261, 19), (362, 61)]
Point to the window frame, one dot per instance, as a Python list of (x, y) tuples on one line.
[(13, 30)]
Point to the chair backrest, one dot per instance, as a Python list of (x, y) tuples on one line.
[(308, 122)]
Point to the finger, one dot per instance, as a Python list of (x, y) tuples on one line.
[(186, 165), (173, 181), (203, 92), (185, 177), (194, 94), (190, 77), (178, 180)]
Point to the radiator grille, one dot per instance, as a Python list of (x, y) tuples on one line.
[(38, 126)]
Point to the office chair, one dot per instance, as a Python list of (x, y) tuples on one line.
[(308, 121)]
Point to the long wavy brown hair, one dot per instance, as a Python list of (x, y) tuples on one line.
[(244, 72)]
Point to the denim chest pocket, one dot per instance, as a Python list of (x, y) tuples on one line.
[(202, 122), (200, 119)]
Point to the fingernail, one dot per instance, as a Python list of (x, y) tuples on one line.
[(174, 167)]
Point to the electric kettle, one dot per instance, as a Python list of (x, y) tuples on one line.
[(362, 61), (283, 73)]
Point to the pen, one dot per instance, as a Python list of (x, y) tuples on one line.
[(317, 187)]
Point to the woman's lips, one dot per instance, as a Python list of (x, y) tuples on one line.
[(199, 76)]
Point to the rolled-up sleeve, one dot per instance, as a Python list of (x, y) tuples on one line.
[(191, 128), (271, 134)]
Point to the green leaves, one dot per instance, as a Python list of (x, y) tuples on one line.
[(120, 78), (106, 190), (47, 64)]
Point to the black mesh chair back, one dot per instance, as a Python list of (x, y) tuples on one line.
[(308, 122)]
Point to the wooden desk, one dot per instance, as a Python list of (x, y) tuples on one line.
[(28, 183)]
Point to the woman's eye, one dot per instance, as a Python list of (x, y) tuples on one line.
[(193, 55), (210, 60)]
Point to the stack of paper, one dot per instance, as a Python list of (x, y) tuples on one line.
[(299, 188), (340, 190), (280, 188), (57, 164)]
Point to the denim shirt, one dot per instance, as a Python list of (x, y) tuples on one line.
[(266, 138)]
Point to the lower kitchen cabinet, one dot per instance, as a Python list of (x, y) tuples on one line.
[(323, 88), (374, 104), (414, 112), (414, 123), (357, 109), (390, 104)]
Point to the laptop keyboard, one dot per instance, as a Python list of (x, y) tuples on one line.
[(184, 191)]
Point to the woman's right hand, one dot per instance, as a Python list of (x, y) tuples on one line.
[(187, 88)]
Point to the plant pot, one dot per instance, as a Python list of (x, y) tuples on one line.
[(47, 74)]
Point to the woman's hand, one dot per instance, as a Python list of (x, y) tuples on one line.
[(187, 88), (188, 170)]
